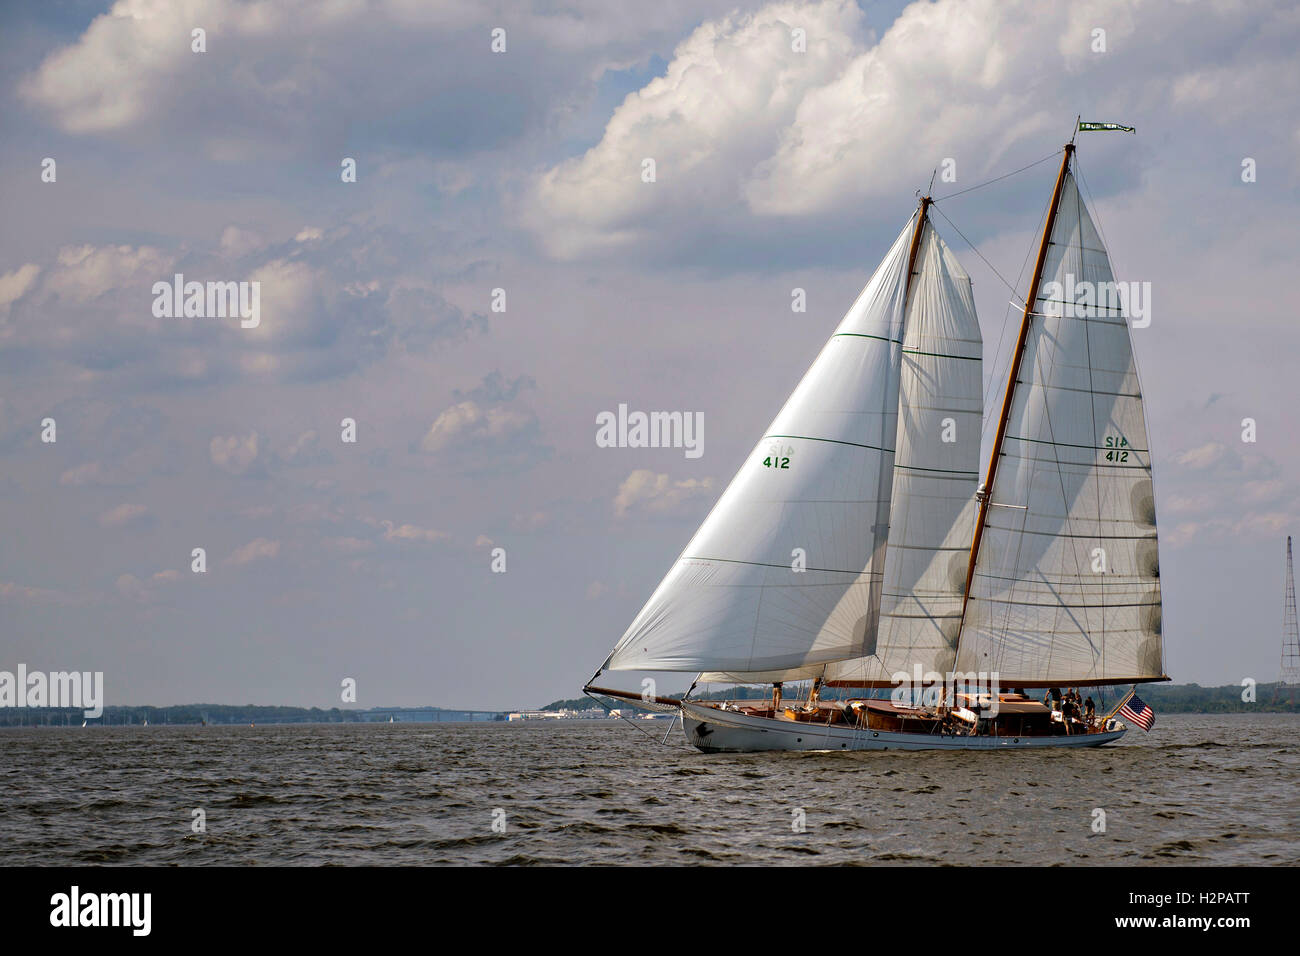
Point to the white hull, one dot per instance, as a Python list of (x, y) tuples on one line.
[(716, 731)]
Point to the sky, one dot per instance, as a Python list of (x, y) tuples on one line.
[(521, 170)]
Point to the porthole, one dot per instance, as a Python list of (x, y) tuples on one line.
[(875, 735)]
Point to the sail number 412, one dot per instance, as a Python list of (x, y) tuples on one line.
[(778, 456), (1116, 448)]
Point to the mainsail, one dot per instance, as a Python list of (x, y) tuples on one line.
[(1065, 580), (936, 469), (817, 485)]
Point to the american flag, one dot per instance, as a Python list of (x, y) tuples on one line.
[(1138, 712)]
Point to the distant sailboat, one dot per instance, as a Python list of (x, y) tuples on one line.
[(1043, 576)]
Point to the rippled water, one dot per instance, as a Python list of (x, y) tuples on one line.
[(1198, 789)]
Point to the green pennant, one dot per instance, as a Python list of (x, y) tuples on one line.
[(1106, 126)]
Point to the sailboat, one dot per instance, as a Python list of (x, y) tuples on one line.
[(857, 548)]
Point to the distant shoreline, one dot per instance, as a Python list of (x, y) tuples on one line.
[(1272, 698), (236, 714)]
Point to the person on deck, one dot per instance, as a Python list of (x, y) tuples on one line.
[(1089, 709)]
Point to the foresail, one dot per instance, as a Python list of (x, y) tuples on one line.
[(1066, 584), (786, 570), (936, 468)]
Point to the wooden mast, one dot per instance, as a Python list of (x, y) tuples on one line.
[(987, 488), (926, 201)]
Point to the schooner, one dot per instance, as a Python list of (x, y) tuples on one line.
[(857, 547)]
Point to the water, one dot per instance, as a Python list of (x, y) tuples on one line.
[(1200, 789)]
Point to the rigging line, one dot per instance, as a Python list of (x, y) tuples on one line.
[(974, 250), (990, 182), (1006, 321), (640, 730)]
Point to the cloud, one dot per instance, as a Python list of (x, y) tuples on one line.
[(234, 454), (1252, 524), (133, 589), (14, 285), (757, 143), (643, 490), (254, 550), (410, 532), (12, 591), (304, 451), (345, 299), (419, 318), (349, 545), (89, 473), (496, 388), (237, 242), (1202, 457), (732, 87), (84, 273), (126, 443), (468, 423), (530, 521), (286, 77), (124, 515), (492, 432)]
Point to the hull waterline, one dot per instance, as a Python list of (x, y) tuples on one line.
[(716, 731)]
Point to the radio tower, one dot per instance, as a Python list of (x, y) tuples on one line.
[(1290, 630)]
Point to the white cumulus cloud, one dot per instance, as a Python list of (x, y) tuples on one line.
[(656, 493)]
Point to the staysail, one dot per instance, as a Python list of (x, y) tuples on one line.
[(786, 571), (1065, 580), (936, 470)]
